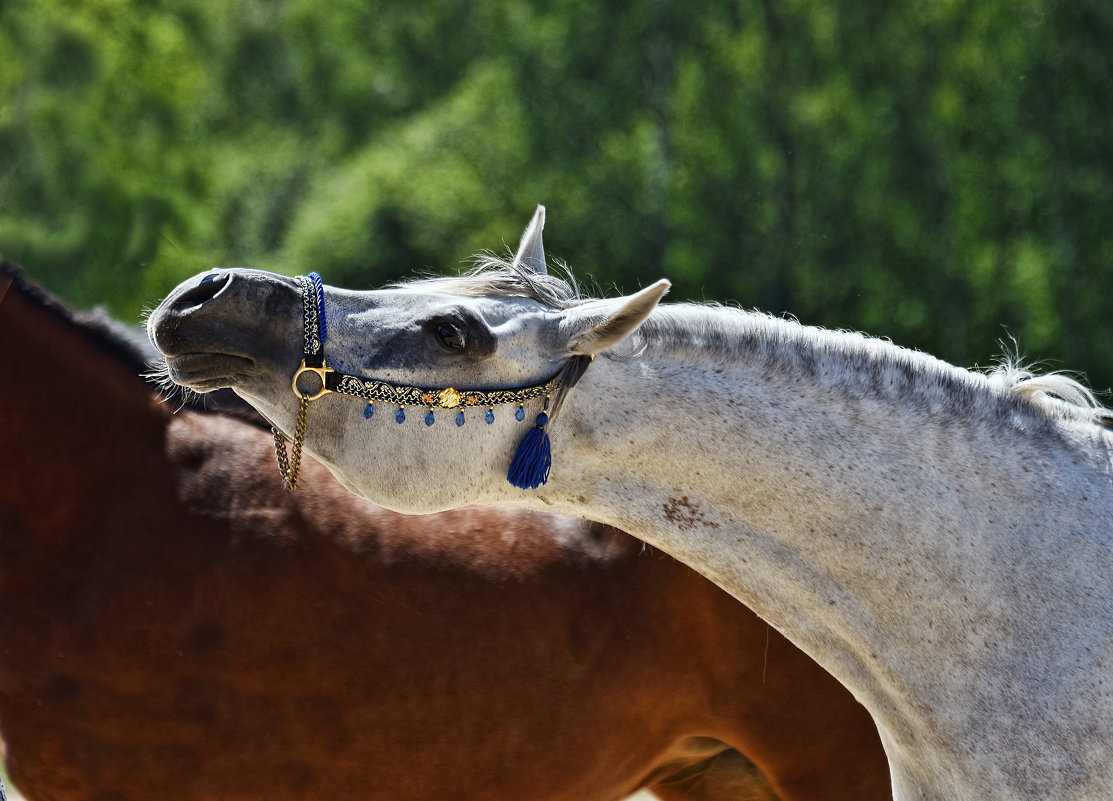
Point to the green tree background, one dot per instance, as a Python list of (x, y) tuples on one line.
[(938, 173)]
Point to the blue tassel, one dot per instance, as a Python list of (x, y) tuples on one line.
[(529, 468)]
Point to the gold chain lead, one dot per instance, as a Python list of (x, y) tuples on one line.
[(290, 467)]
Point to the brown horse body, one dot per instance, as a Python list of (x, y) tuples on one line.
[(174, 626)]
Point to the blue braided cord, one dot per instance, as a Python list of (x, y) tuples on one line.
[(319, 290)]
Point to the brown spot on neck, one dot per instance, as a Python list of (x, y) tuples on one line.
[(686, 515)]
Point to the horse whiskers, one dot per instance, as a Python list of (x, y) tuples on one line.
[(159, 375)]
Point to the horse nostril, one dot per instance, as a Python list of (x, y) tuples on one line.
[(206, 289)]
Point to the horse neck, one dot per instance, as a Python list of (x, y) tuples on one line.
[(865, 500), (81, 420), (790, 432)]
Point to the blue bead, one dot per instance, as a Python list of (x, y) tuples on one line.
[(369, 411), (429, 418), (400, 417), (542, 420), (460, 419), (520, 415), (490, 416)]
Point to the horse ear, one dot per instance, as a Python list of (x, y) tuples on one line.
[(601, 324), (531, 250)]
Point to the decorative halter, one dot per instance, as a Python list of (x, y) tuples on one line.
[(532, 460)]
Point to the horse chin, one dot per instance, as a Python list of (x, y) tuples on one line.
[(348, 485), (207, 372)]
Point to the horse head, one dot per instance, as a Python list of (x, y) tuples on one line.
[(460, 364)]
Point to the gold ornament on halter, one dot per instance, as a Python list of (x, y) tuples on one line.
[(448, 398)]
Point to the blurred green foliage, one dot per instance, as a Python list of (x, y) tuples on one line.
[(938, 173)]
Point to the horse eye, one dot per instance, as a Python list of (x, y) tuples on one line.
[(451, 336)]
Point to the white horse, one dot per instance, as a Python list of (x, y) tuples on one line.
[(939, 539)]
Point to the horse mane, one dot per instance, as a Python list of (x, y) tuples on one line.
[(1052, 391), (861, 365), (708, 330)]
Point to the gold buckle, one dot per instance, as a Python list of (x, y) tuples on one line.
[(320, 372)]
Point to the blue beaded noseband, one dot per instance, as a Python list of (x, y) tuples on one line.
[(532, 460)]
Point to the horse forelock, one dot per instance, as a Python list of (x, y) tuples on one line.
[(493, 276)]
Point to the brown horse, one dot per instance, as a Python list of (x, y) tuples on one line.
[(174, 625)]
